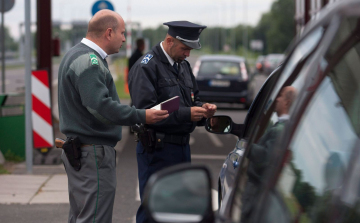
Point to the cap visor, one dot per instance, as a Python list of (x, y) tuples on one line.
[(192, 45)]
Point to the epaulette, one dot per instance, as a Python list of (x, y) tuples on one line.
[(93, 59), (147, 58)]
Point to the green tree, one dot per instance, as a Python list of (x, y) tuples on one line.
[(276, 29), (155, 35), (262, 28), (10, 43), (281, 26)]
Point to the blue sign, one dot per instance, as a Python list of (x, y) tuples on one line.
[(99, 5)]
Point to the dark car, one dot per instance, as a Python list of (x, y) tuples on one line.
[(298, 166), (223, 78), (272, 61)]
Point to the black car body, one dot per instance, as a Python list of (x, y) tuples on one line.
[(310, 170), (230, 167), (223, 78)]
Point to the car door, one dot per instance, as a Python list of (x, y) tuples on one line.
[(315, 176), (228, 171), (293, 73)]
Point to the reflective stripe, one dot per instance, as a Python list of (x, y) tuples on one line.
[(187, 40), (97, 194)]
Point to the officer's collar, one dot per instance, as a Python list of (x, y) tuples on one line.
[(95, 47), (171, 61)]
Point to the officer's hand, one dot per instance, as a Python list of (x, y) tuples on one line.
[(153, 116), (210, 110), (197, 113)]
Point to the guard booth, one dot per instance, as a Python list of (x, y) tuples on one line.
[(12, 125)]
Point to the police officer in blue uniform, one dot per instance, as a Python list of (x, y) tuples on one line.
[(162, 74)]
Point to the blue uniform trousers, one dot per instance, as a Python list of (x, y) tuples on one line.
[(149, 163)]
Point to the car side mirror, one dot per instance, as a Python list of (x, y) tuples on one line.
[(181, 193), (222, 124)]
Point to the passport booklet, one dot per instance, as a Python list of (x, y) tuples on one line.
[(170, 105)]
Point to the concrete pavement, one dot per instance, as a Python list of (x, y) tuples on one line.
[(47, 185)]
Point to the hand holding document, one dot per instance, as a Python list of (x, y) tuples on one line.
[(170, 105)]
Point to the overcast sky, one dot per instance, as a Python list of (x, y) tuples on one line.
[(151, 13)]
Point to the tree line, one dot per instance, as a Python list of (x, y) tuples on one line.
[(275, 29)]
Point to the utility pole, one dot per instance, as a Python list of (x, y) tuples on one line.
[(3, 45), (44, 39), (234, 29), (245, 36), (128, 32), (28, 100)]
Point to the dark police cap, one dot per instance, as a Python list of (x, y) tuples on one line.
[(187, 32)]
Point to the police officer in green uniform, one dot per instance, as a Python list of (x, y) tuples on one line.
[(162, 74)]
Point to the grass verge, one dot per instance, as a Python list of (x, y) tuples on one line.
[(3, 170)]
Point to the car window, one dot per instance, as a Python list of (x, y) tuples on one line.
[(320, 152), (297, 60), (301, 52), (268, 127), (257, 105), (212, 68)]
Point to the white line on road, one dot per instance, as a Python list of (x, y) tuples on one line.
[(208, 157), (215, 203), (137, 194), (213, 137)]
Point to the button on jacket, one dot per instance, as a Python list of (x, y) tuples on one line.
[(154, 80)]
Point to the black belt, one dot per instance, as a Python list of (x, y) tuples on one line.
[(177, 139)]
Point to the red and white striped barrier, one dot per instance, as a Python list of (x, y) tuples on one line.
[(41, 110)]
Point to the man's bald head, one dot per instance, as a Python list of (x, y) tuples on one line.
[(101, 21), (107, 30), (290, 94), (285, 99)]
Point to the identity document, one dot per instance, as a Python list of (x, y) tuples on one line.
[(170, 105)]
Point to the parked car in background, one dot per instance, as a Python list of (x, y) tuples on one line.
[(223, 78), (272, 61), (259, 64), (298, 166)]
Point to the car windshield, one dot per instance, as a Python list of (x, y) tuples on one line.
[(275, 59), (213, 68)]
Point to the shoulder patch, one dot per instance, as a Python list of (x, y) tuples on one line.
[(93, 59), (147, 58)]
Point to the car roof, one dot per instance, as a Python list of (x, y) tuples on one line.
[(328, 12), (278, 55), (222, 57)]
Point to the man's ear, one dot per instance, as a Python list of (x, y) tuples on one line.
[(108, 33), (288, 103), (169, 41)]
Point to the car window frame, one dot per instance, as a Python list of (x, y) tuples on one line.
[(257, 103), (293, 48), (307, 93)]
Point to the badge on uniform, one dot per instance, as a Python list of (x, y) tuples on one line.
[(93, 59), (147, 58), (192, 95)]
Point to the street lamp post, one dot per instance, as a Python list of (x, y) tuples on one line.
[(28, 101)]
